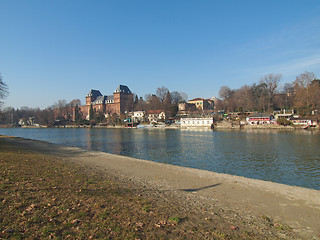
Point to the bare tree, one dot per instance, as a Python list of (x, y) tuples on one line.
[(260, 96), (304, 93), (225, 92), (175, 97), (184, 96), (154, 102), (314, 92), (161, 93), (243, 98), (3, 89), (272, 82), (141, 105), (75, 102)]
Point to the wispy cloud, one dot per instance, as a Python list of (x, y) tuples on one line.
[(309, 63)]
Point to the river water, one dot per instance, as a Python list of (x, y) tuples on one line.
[(289, 157)]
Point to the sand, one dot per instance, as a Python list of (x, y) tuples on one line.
[(294, 206)]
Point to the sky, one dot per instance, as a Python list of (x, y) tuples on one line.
[(54, 50)]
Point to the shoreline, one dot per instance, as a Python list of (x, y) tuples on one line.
[(297, 207), (216, 127)]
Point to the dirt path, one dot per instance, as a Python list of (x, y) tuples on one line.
[(239, 200)]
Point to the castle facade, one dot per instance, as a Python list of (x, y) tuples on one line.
[(120, 102)]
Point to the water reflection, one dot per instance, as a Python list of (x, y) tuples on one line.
[(290, 157)]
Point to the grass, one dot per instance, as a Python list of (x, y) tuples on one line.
[(45, 197), (175, 219)]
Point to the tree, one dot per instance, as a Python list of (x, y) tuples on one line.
[(175, 97), (92, 113), (153, 102), (77, 115), (226, 94), (314, 92), (260, 96), (243, 99), (141, 105), (136, 99), (306, 90), (161, 93), (167, 101), (75, 102), (3, 89), (271, 82), (184, 96)]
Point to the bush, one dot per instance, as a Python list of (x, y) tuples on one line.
[(284, 122)]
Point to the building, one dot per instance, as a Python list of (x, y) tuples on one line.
[(299, 121), (196, 122), (259, 119), (202, 104), (185, 108), (156, 115), (138, 116), (119, 103)]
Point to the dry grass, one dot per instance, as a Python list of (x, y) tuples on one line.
[(45, 197)]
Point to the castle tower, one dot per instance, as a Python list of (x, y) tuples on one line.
[(124, 98), (91, 96)]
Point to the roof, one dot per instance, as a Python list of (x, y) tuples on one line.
[(103, 99), (99, 100), (123, 89), (259, 115), (155, 111), (109, 98), (284, 114), (196, 99), (94, 93)]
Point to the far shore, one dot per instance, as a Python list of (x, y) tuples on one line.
[(162, 126), (296, 207)]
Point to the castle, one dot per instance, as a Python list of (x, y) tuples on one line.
[(120, 102)]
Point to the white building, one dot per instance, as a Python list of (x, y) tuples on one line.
[(138, 116), (156, 115), (196, 122)]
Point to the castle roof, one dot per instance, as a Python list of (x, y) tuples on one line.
[(99, 100), (103, 100), (94, 93), (122, 89)]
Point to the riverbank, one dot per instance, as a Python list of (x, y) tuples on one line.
[(177, 202), (217, 126)]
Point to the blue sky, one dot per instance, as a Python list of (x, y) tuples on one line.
[(53, 50)]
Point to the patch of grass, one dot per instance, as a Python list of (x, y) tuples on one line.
[(147, 207), (267, 219), (175, 219)]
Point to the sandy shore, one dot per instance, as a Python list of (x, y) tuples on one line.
[(296, 207)]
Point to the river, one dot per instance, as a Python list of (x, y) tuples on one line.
[(288, 157)]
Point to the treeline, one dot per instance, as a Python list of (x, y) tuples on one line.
[(48, 116), (163, 99), (62, 111), (302, 95)]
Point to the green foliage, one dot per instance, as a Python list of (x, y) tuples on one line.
[(77, 115), (175, 219), (284, 122), (92, 113)]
